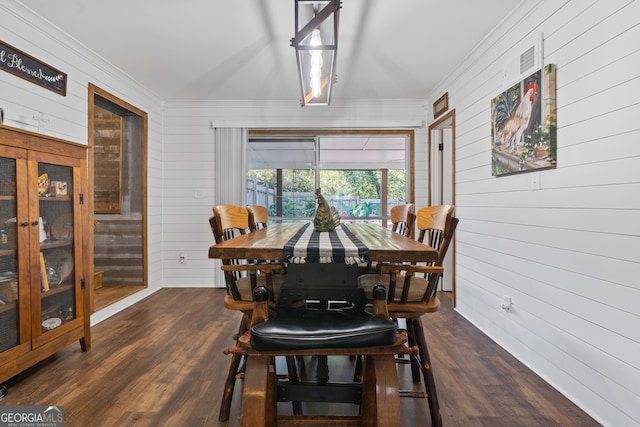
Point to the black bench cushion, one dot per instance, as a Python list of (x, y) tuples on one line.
[(304, 328)]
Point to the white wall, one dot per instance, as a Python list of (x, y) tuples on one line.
[(189, 158), (66, 116), (569, 253)]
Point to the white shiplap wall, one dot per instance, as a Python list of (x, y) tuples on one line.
[(190, 155), (568, 254), (66, 117)]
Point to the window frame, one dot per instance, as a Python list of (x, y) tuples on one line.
[(409, 134)]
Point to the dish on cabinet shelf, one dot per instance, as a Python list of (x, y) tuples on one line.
[(62, 227), (59, 264), (51, 323)]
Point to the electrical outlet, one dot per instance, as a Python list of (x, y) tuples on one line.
[(506, 305), (535, 181)]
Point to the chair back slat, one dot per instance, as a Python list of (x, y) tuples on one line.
[(411, 225), (401, 219), (433, 217), (431, 222), (258, 217), (233, 220)]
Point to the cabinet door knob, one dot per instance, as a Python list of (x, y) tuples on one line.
[(34, 223), (24, 224)]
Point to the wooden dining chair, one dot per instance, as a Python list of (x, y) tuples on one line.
[(412, 293), (403, 222), (228, 222), (294, 329), (241, 277), (258, 217)]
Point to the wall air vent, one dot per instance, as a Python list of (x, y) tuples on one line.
[(527, 59)]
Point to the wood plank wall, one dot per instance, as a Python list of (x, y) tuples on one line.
[(566, 254)]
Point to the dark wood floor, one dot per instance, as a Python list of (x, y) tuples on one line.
[(160, 363)]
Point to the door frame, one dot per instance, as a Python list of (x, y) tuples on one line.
[(93, 92), (442, 123)]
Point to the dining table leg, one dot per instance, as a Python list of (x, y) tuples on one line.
[(259, 407), (380, 394)]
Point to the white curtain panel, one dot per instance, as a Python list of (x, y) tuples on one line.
[(231, 166), (230, 175)]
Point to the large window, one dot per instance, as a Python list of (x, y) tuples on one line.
[(362, 176)]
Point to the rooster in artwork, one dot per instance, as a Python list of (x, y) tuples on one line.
[(512, 116)]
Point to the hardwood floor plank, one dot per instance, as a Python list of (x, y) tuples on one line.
[(480, 383), (160, 363)]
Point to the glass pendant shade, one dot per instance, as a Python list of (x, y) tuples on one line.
[(316, 45)]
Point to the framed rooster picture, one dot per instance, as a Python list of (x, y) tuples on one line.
[(523, 125)]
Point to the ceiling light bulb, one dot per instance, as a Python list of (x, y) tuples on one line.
[(315, 82), (315, 38), (316, 59), (315, 72), (316, 91)]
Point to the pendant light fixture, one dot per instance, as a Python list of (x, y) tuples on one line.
[(316, 45)]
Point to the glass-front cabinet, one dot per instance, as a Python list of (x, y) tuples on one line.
[(55, 246), (43, 290), (11, 308)]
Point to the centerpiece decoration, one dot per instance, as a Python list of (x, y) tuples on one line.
[(327, 217)]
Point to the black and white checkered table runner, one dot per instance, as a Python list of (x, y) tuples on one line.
[(339, 246)]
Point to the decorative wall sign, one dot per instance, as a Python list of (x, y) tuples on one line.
[(441, 105), (18, 63), (523, 125)]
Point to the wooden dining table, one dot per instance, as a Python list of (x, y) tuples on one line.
[(383, 245), (268, 243)]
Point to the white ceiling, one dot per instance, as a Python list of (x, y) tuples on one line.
[(240, 49)]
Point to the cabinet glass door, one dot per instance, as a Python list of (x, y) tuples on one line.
[(56, 237), (9, 304)]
